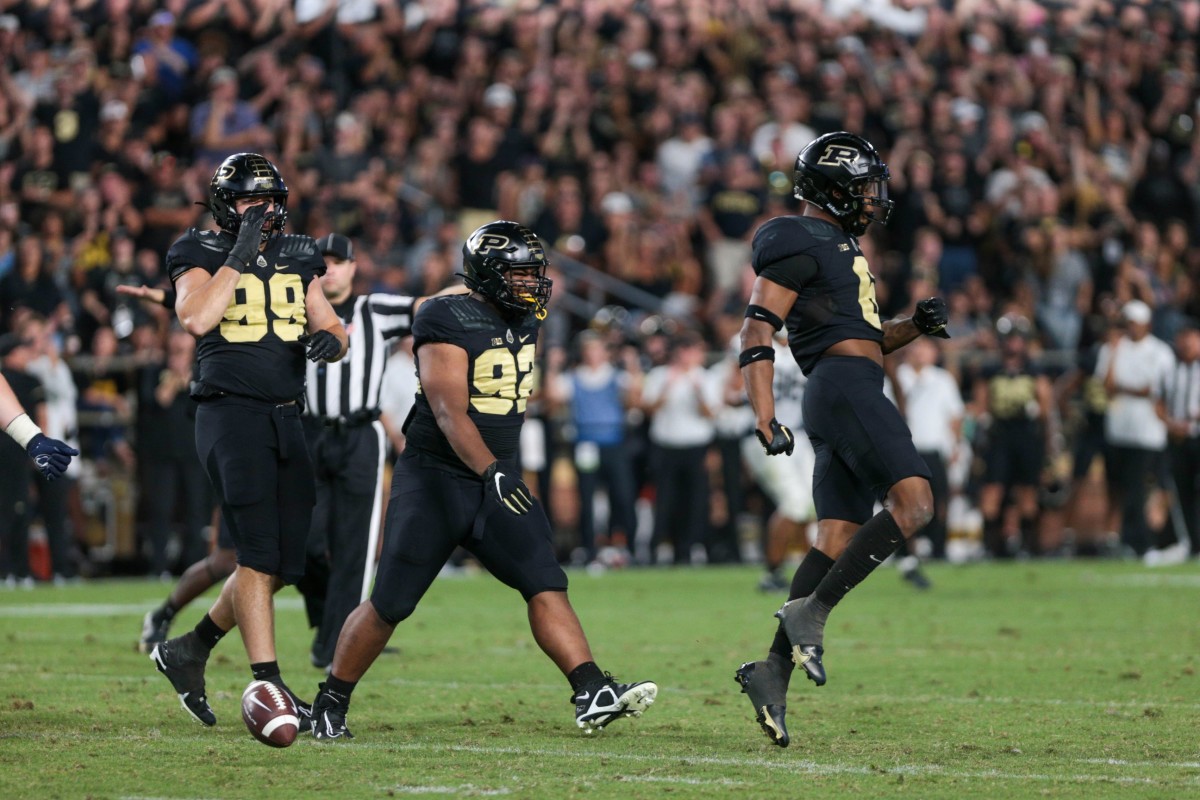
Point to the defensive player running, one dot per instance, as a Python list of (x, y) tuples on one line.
[(811, 273), (458, 482), (249, 294)]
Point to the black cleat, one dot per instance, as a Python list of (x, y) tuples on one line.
[(808, 658), (154, 631), (917, 578), (600, 703), (767, 690), (328, 716), (773, 583), (182, 660), (804, 624)]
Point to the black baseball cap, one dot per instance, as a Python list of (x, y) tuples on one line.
[(337, 246)]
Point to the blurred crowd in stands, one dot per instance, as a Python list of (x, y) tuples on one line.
[(1045, 164)]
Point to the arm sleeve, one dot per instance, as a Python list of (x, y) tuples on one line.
[(392, 313)]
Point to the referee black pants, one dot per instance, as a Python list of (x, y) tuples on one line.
[(348, 463), (1185, 468)]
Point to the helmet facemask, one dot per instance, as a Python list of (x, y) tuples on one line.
[(517, 289), (506, 263), (247, 176)]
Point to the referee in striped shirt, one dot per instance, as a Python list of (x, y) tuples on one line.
[(1180, 407), (347, 443)]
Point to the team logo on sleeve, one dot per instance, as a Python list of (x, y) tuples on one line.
[(838, 155)]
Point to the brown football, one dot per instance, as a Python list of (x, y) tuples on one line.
[(270, 714)]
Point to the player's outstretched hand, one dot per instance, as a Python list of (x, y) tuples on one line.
[(321, 345), (931, 317), (782, 440), (51, 456), (508, 490), (249, 237)]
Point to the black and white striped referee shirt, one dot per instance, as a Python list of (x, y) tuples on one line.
[(1183, 395), (342, 388)]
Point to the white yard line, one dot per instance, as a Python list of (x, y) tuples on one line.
[(780, 760)]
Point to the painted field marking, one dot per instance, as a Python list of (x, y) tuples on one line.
[(780, 762)]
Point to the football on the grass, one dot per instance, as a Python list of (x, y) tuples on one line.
[(270, 714)]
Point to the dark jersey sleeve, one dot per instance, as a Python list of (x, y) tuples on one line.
[(206, 250), (303, 252), (436, 322), (780, 253)]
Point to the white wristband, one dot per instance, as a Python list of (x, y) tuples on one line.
[(22, 429)]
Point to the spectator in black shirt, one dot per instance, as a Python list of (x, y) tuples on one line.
[(29, 286)]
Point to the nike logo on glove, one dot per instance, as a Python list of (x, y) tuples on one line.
[(498, 476)]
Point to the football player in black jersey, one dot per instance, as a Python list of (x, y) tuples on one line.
[(458, 481), (249, 293), (813, 278)]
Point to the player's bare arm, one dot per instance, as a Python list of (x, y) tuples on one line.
[(769, 305), (897, 333), (443, 376), (758, 332), (202, 298), (323, 319)]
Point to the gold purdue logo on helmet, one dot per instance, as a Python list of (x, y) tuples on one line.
[(490, 241), (838, 154), (226, 172)]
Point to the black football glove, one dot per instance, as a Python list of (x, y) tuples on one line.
[(248, 239), (51, 456), (781, 441), (508, 490), (321, 345), (931, 317)]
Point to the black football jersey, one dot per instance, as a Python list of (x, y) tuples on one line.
[(1012, 392), (500, 360), (825, 266), (255, 350)]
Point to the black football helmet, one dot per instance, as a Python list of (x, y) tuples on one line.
[(490, 255), (241, 176), (843, 174)]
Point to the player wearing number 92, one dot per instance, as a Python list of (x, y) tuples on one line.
[(812, 276), (458, 483), (249, 293)]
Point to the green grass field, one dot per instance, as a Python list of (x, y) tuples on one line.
[(1023, 680)]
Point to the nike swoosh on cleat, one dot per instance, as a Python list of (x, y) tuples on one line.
[(876, 560), (585, 696)]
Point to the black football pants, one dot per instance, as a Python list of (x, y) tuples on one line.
[(349, 466)]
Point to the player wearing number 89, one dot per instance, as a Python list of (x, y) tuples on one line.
[(249, 293), (813, 278), (458, 481)]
